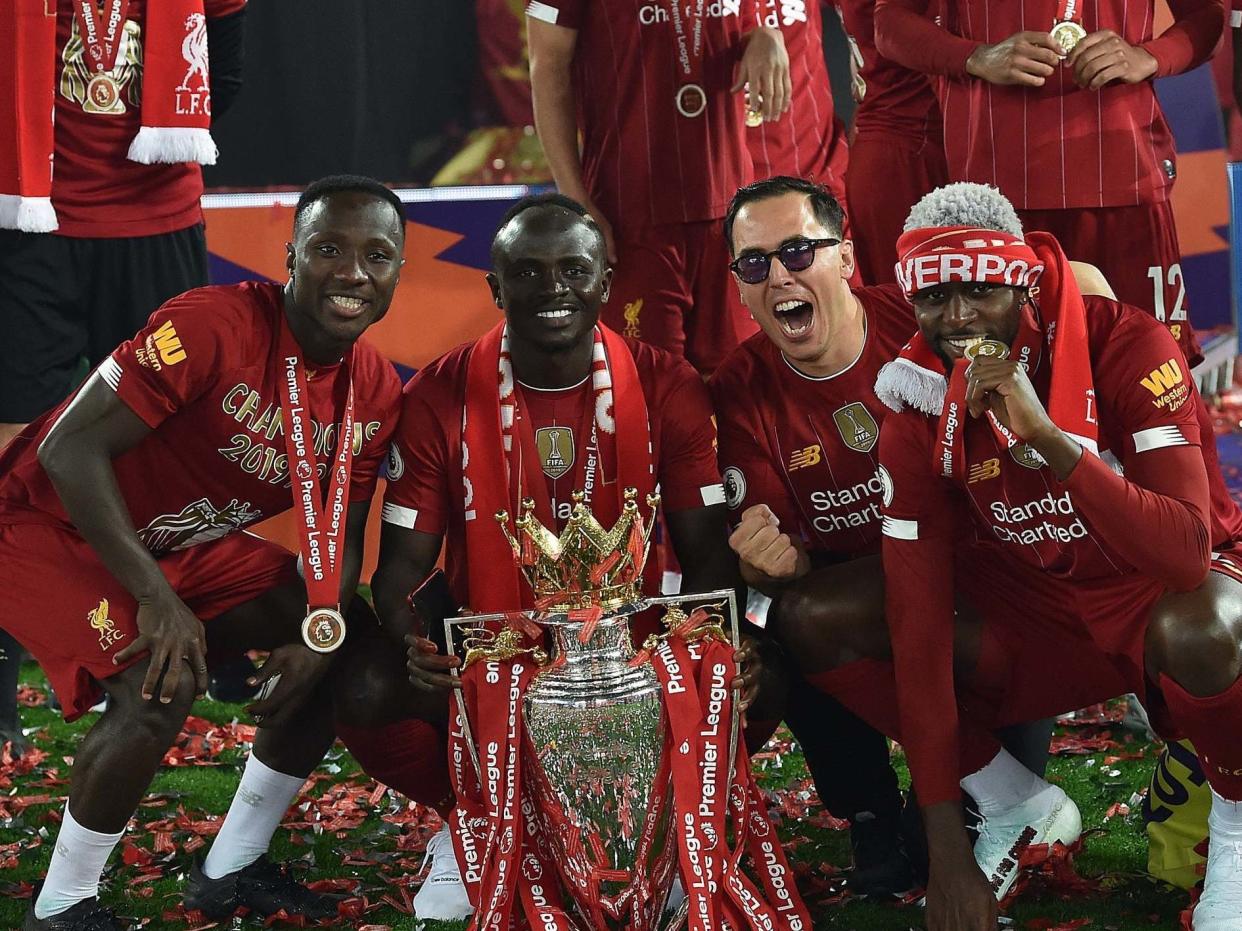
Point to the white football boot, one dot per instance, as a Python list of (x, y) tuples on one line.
[(1045, 818), (442, 896), (1220, 906)]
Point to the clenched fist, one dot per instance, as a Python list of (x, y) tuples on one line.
[(767, 554)]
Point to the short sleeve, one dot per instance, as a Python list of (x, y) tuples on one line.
[(749, 475), (176, 357), (419, 495), (687, 470), (378, 428), (567, 13)]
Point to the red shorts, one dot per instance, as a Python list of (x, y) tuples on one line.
[(71, 614), (1136, 249), (673, 289), (886, 177), (1045, 654)]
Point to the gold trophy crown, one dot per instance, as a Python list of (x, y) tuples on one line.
[(586, 566)]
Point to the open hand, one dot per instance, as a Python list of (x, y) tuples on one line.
[(764, 71), (174, 637), (287, 678), (428, 668)]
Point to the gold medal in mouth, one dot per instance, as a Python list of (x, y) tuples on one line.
[(982, 346)]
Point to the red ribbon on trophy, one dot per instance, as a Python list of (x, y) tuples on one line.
[(502, 842), (320, 525), (691, 98)]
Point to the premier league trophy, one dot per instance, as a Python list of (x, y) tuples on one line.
[(590, 774)]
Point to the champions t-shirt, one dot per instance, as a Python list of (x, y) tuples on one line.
[(808, 447), (1020, 515), (425, 473), (204, 374), (96, 190), (808, 141), (642, 161)]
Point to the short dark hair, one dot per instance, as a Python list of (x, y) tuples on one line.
[(338, 184), (827, 211), (540, 201)]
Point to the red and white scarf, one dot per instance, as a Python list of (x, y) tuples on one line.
[(176, 101), (939, 255), (501, 465)]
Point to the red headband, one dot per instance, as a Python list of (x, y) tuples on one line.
[(939, 254)]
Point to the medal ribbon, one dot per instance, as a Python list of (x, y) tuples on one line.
[(100, 40), (321, 524), (689, 38), (1067, 11)]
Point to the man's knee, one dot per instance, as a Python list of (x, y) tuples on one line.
[(1193, 639), (826, 625), (369, 689), (150, 720)]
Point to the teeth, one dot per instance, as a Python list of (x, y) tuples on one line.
[(787, 305), (554, 314), (349, 303), (966, 342)]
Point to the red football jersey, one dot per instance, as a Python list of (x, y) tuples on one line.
[(1152, 423), (1058, 145), (807, 447), (204, 375), (642, 161), (96, 190), (892, 99), (425, 490), (809, 140)]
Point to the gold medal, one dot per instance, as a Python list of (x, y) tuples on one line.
[(102, 95), (990, 348), (691, 100), (755, 117), (1067, 35), (323, 630)]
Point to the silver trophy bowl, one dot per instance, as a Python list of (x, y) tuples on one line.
[(596, 740)]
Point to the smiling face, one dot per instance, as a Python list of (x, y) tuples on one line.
[(550, 279), (801, 312), (953, 315), (344, 263)]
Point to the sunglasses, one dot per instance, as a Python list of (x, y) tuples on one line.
[(796, 256)]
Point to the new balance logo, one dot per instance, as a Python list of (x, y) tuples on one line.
[(989, 468), (1160, 380), (801, 458)]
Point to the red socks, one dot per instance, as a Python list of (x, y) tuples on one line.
[(410, 756), (1214, 725)]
